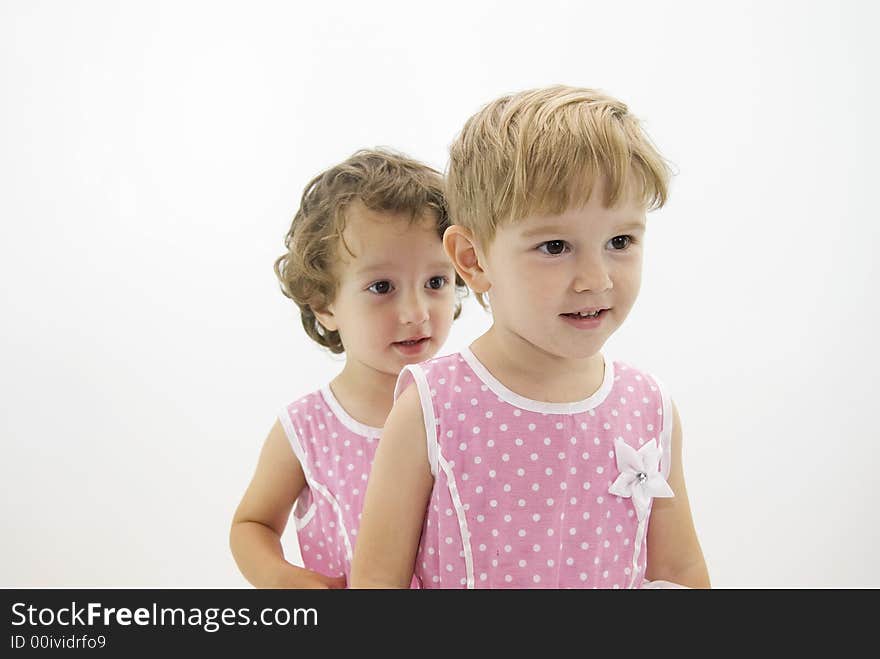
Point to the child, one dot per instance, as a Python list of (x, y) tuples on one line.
[(366, 266), (529, 460)]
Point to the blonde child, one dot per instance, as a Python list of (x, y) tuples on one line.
[(366, 267), (530, 460)]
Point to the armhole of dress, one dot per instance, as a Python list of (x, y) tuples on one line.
[(299, 453), (414, 372), (667, 422)]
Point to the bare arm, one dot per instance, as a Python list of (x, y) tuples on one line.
[(395, 502), (259, 521), (674, 552)]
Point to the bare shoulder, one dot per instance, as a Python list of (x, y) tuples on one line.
[(403, 435)]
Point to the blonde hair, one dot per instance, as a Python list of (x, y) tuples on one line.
[(380, 179), (541, 151)]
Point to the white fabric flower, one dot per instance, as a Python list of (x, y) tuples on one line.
[(640, 477)]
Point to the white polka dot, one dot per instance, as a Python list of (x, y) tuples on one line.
[(507, 487), (448, 540), (583, 576), (505, 457), (521, 503), (522, 562), (517, 413), (536, 578), (520, 472), (489, 414), (572, 531), (618, 528), (493, 503), (585, 456), (491, 473), (465, 476), (521, 533), (599, 470), (598, 530), (474, 401), (531, 426), (480, 518), (549, 502), (585, 545), (461, 417), (502, 427), (508, 548), (518, 441), (548, 471), (508, 578), (546, 441), (536, 517), (449, 512), (597, 441), (494, 533), (563, 485), (457, 389), (550, 532), (490, 443), (431, 550), (536, 548), (449, 567), (482, 547), (462, 447), (478, 489), (586, 485), (535, 487), (478, 460), (507, 518), (533, 457), (476, 430)]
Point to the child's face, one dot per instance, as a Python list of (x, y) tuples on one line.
[(544, 270), (395, 297)]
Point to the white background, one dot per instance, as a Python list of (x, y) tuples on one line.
[(152, 155)]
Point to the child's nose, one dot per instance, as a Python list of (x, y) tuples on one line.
[(592, 275), (413, 310)]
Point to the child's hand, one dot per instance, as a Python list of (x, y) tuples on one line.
[(323, 581), (317, 580)]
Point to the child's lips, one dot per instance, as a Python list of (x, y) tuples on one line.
[(575, 319), (412, 346)]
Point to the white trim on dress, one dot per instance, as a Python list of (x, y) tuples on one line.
[(418, 376), (370, 432), (314, 485), (462, 523), (505, 394)]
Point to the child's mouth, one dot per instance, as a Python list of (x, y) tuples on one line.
[(586, 319), (412, 346)]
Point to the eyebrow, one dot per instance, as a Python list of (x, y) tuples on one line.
[(379, 267), (560, 230)]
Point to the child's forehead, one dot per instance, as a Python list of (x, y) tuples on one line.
[(629, 214), (375, 240)]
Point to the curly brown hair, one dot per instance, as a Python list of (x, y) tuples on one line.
[(382, 180)]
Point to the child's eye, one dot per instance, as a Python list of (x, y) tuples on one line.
[(380, 287), (436, 283), (553, 247), (620, 242)]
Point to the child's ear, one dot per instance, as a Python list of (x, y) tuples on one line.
[(462, 249), (327, 318)]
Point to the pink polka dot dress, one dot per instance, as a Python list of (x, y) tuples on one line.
[(336, 453), (530, 494)]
